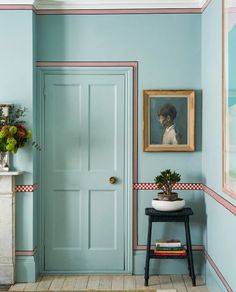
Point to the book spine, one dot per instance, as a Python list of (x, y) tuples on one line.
[(168, 244), (169, 248), (171, 251), (171, 254)]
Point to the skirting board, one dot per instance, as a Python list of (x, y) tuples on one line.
[(26, 268)]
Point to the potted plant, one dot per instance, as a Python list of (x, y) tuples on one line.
[(13, 133), (167, 200)]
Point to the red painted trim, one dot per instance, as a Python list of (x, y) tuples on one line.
[(220, 199), (104, 11), (205, 6), (26, 252), (194, 247), (135, 154), (219, 274), (118, 11), (16, 7), (133, 64)]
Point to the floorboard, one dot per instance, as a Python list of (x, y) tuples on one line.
[(182, 283)]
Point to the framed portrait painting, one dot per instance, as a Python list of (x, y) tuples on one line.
[(168, 120), (229, 96)]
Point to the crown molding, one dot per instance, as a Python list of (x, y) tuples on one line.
[(17, 2), (119, 4), (109, 4)]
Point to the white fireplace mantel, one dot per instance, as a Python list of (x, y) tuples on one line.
[(7, 226)]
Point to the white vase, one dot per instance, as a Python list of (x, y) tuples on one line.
[(160, 205), (4, 161)]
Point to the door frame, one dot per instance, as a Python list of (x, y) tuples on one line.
[(129, 71)]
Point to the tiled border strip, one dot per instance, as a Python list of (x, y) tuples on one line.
[(26, 188), (191, 186), (219, 274), (180, 186)]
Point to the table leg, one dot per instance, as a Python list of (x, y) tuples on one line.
[(146, 275), (189, 249), (189, 266)]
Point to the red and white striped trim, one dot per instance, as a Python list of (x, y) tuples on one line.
[(205, 5), (16, 7), (194, 247), (219, 274), (181, 186), (26, 252), (219, 199), (88, 64), (25, 188), (115, 11), (118, 11)]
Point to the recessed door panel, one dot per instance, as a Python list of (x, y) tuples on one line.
[(100, 237), (102, 108), (68, 221), (66, 101)]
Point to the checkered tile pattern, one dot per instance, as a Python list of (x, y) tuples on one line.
[(152, 186), (25, 188)]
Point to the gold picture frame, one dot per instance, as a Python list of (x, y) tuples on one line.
[(228, 97), (168, 120)]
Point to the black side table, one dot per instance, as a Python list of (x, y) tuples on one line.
[(174, 216)]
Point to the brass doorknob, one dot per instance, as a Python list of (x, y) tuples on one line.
[(112, 180)]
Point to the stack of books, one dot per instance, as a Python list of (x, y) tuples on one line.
[(172, 247)]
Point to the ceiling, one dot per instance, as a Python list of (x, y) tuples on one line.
[(109, 4)]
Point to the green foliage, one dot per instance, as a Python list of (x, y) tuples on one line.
[(166, 181), (13, 132)]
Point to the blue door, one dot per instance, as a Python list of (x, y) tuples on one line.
[(84, 172)]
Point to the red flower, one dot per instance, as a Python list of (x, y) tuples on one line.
[(22, 132)]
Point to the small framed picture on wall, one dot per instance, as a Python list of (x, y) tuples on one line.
[(168, 120)]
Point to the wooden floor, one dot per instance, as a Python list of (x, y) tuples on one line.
[(70, 283)]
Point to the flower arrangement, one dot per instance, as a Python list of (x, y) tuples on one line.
[(13, 133)]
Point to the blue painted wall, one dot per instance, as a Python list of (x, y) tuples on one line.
[(220, 223), (16, 87), (168, 49)]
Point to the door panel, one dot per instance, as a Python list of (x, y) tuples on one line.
[(84, 146), (100, 237), (102, 152)]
